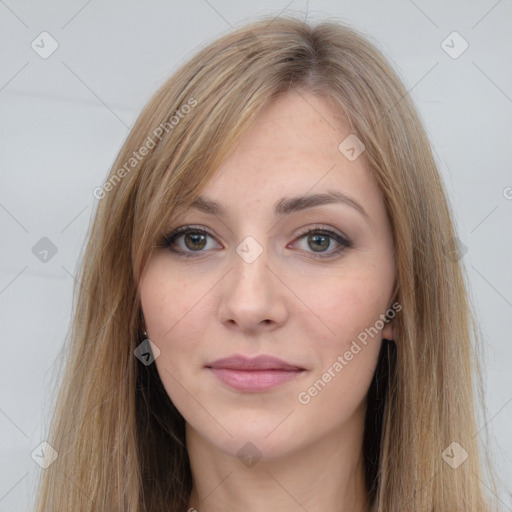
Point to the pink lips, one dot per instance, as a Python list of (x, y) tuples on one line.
[(254, 374)]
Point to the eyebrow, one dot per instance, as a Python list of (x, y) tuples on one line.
[(287, 205)]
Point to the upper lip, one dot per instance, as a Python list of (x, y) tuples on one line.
[(262, 362)]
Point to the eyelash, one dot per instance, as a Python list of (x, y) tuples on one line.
[(170, 240)]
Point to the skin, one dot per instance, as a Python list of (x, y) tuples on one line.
[(286, 303)]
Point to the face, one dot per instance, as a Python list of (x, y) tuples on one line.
[(251, 281)]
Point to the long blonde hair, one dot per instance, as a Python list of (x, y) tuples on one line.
[(119, 438)]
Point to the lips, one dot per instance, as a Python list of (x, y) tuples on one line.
[(254, 374), (257, 363)]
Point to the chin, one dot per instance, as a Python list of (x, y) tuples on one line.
[(246, 437)]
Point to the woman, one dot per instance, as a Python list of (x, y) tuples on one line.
[(272, 314)]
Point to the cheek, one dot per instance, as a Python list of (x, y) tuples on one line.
[(169, 300), (171, 325), (346, 343), (172, 315), (346, 305)]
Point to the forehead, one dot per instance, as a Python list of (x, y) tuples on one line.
[(292, 149), (298, 121)]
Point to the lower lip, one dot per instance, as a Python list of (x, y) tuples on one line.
[(254, 380)]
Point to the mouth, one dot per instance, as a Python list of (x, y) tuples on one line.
[(254, 374)]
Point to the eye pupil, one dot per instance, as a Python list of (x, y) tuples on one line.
[(319, 238), (195, 238)]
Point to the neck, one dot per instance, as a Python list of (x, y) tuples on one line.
[(325, 475)]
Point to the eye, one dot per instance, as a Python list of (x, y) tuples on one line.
[(190, 241), (320, 240), (187, 240)]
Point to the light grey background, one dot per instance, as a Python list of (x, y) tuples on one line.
[(64, 118)]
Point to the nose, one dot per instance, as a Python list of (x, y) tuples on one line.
[(252, 298)]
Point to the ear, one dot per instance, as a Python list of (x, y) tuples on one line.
[(388, 331)]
